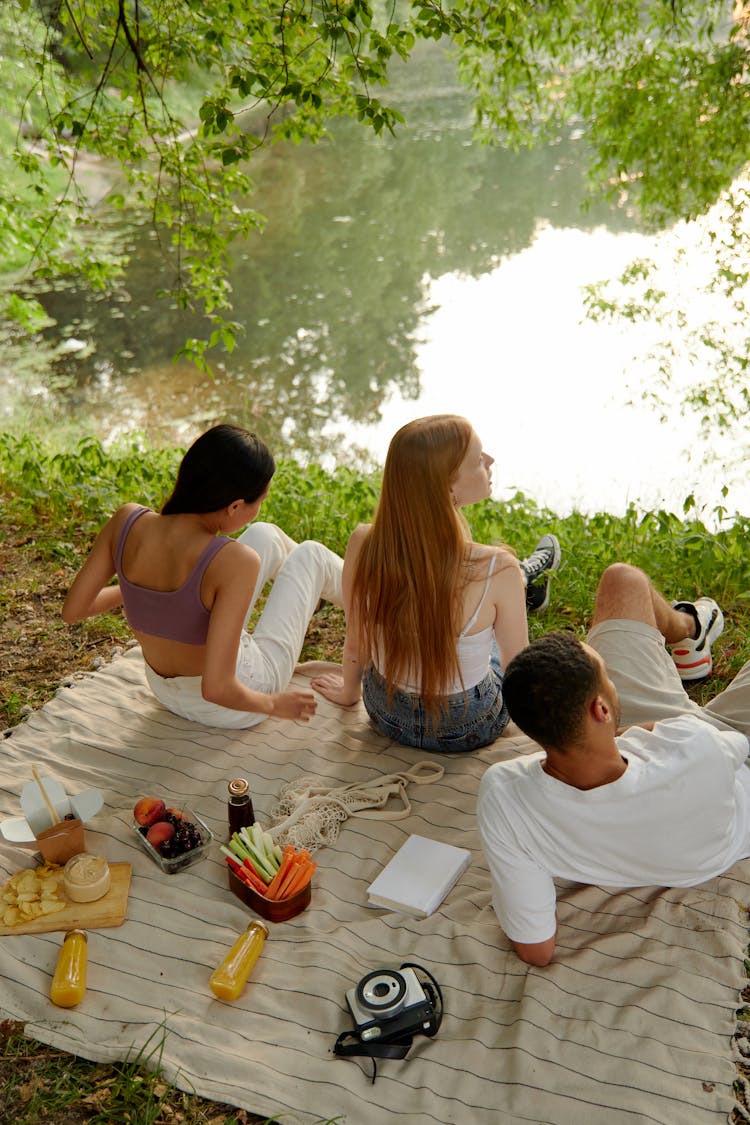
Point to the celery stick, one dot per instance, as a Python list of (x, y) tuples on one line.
[(270, 850), (258, 860), (257, 834)]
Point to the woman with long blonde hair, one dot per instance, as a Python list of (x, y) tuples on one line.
[(424, 603)]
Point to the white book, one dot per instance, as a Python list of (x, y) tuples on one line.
[(419, 876)]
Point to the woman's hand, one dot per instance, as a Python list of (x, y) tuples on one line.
[(293, 705), (332, 686)]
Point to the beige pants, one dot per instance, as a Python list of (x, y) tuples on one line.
[(649, 685)]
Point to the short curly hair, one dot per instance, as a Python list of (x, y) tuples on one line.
[(547, 688)]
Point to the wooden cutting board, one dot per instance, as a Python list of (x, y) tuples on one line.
[(106, 911)]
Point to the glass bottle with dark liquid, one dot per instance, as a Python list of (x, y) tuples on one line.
[(239, 806)]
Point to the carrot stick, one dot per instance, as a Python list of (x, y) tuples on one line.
[(287, 859), (296, 878), (297, 858), (301, 878), (291, 871)]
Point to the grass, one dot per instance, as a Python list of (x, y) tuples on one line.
[(40, 1085), (53, 501)]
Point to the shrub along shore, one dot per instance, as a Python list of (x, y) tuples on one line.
[(53, 503)]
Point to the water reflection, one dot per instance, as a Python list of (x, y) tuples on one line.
[(335, 295)]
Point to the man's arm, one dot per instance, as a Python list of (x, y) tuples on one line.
[(536, 952), (523, 892)]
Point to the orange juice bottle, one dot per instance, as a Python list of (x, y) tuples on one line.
[(69, 982), (228, 980)]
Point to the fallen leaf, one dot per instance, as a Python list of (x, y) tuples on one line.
[(28, 1089)]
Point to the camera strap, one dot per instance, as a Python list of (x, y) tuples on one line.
[(349, 1044), (395, 1049)]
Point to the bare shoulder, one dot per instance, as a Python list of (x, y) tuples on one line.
[(356, 539), (482, 556), (236, 556), (126, 510), (231, 575), (118, 519), (358, 535)]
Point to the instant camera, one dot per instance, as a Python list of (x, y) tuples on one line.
[(390, 1007)]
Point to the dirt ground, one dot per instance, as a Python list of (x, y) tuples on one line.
[(37, 650)]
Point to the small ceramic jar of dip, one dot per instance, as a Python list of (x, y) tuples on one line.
[(86, 877)]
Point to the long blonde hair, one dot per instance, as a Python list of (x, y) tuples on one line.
[(413, 563)]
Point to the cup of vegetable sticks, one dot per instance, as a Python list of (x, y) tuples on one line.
[(272, 910), (273, 881)]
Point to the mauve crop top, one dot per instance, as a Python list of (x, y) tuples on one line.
[(175, 615)]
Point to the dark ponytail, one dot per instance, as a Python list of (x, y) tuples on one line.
[(224, 464)]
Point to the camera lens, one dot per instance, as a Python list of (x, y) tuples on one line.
[(382, 991)]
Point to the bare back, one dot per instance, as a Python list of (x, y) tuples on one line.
[(159, 554)]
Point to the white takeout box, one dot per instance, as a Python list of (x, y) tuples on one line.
[(25, 829)]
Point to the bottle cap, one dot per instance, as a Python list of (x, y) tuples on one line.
[(70, 933), (257, 923), (238, 786)]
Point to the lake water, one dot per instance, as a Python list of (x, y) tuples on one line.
[(400, 277)]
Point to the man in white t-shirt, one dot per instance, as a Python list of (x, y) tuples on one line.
[(663, 803)]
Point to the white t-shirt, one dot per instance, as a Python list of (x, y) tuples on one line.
[(678, 815)]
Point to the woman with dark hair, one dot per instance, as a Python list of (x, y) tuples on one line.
[(428, 610), (188, 588)]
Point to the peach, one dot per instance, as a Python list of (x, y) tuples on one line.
[(148, 811), (159, 833)]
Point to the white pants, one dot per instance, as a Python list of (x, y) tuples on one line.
[(302, 574)]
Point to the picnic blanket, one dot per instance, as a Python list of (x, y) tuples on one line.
[(633, 1022)]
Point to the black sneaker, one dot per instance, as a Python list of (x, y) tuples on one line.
[(537, 597), (545, 556)]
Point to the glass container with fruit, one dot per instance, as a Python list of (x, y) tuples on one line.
[(174, 836)]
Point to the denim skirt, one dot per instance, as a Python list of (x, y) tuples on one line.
[(469, 720)]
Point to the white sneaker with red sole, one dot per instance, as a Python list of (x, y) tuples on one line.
[(692, 656)]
